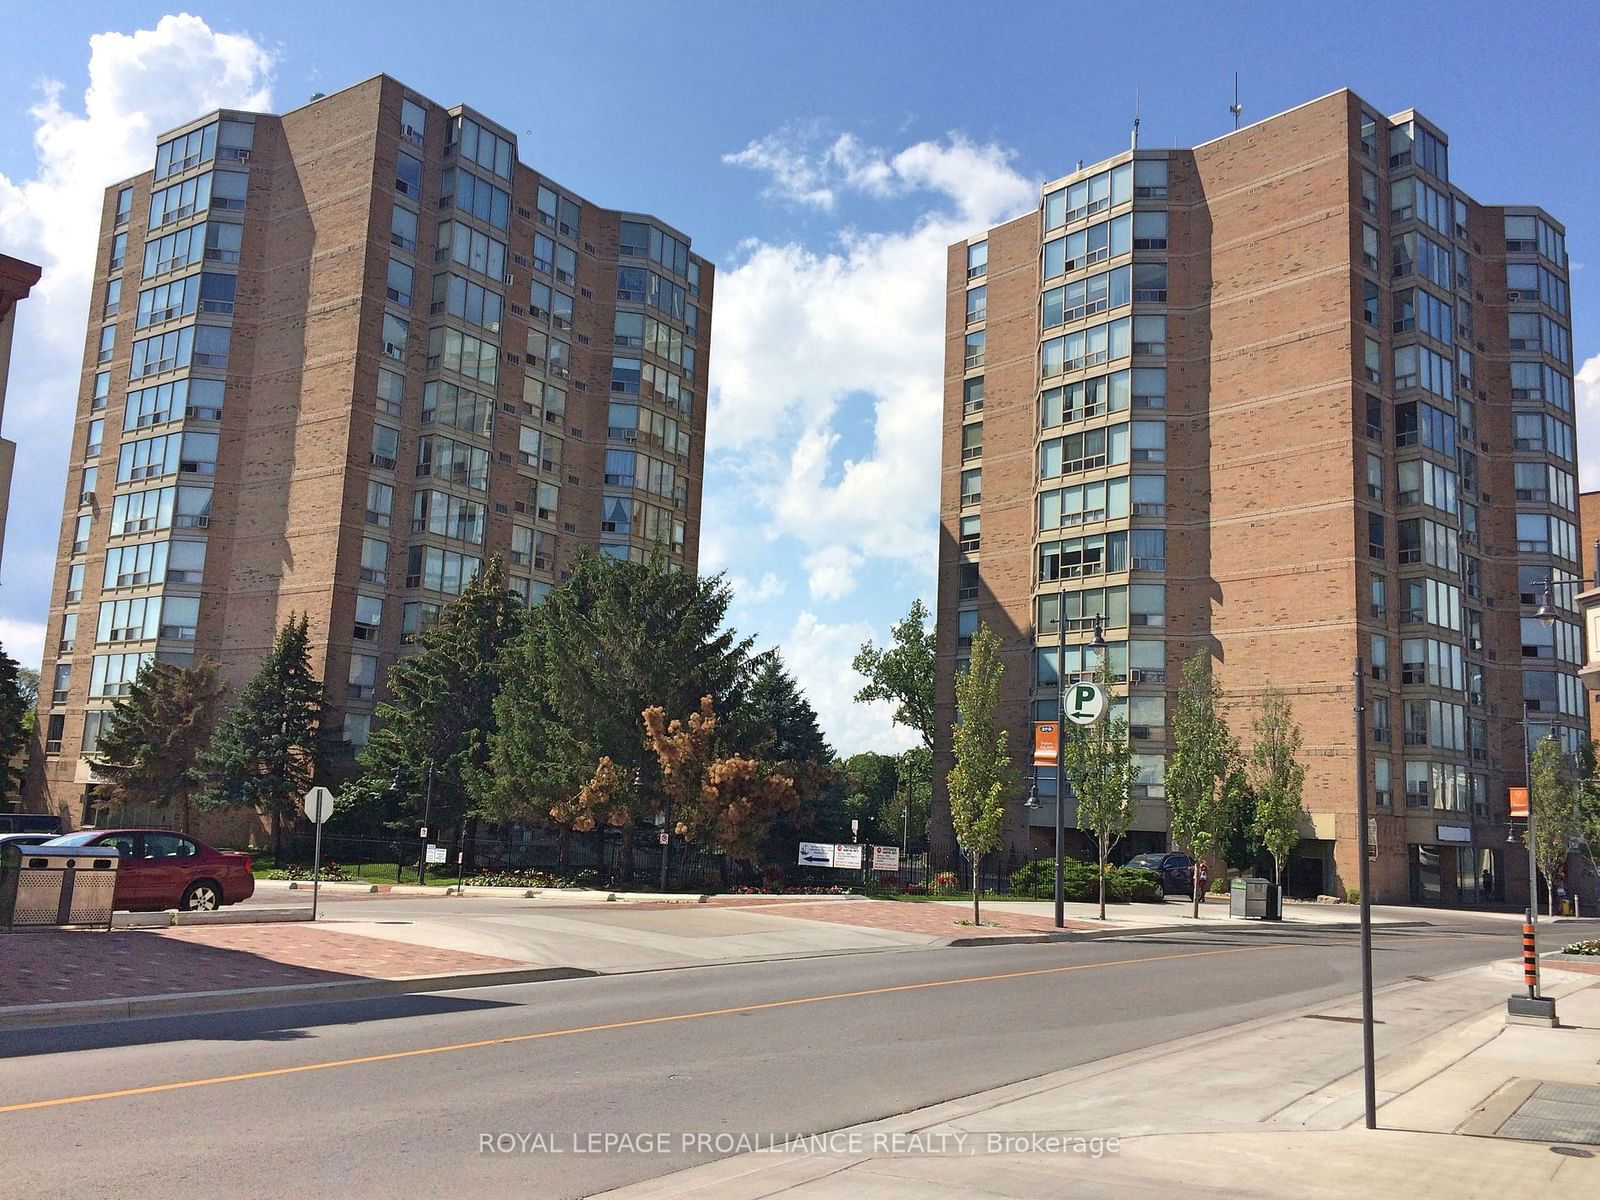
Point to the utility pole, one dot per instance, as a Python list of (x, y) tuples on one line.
[(1364, 874)]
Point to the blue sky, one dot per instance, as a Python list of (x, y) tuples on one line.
[(822, 154)]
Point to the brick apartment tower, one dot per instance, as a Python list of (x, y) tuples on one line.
[(335, 360), (1290, 397)]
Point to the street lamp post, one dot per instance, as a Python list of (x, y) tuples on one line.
[(427, 808)]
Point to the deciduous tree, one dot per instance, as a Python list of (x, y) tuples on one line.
[(982, 774), (1099, 762), (1277, 778), (1202, 751), (722, 802), (150, 752), (1554, 797)]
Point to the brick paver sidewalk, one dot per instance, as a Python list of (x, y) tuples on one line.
[(913, 917), (50, 967)]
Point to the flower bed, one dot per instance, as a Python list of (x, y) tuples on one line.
[(1589, 947)]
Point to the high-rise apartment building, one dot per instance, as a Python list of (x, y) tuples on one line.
[(1291, 397), (16, 281), (336, 359)]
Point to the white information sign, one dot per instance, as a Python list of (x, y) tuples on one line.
[(437, 854), (816, 854), (1085, 703), (886, 858), (849, 858)]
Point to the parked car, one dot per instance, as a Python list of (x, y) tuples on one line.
[(23, 839), (1175, 869), (18, 822), (160, 868)]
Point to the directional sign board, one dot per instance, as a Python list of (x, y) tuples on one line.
[(318, 804), (1085, 703), (816, 854), (850, 857), (886, 858)]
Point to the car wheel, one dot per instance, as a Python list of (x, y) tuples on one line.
[(204, 896)]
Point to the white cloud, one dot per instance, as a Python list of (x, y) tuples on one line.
[(806, 336), (832, 572), (23, 641), (1588, 409), (818, 655), (795, 177), (140, 84)]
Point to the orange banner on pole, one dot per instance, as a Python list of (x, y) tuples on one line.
[(1519, 801), (1046, 743)]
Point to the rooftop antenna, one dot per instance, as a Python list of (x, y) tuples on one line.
[(1136, 107), (1235, 107)]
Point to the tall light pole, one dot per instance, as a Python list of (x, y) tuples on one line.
[(1364, 881)]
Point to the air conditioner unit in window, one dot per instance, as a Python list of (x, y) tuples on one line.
[(509, 280)]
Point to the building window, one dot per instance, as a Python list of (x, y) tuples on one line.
[(413, 122), (374, 560), (369, 614), (972, 441), (363, 676), (108, 342), (974, 350), (971, 486), (94, 437), (977, 304), (970, 533), (1375, 536), (380, 504), (399, 283), (408, 175), (80, 534), (385, 447), (977, 259)]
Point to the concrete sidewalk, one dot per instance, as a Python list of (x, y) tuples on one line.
[(1268, 1109)]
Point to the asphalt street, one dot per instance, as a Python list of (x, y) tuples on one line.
[(395, 1097)]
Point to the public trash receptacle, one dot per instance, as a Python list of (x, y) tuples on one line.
[(1252, 899), (58, 885)]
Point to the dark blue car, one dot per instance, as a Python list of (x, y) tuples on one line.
[(1175, 869)]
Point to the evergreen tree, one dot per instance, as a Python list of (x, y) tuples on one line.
[(150, 753), (1277, 778), (441, 707), (268, 747), (983, 773), (777, 726), (538, 767), (1202, 753), (621, 637), (14, 724), (1099, 761)]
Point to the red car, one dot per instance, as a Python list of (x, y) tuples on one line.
[(162, 869)]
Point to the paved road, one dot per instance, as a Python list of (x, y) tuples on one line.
[(393, 1096)]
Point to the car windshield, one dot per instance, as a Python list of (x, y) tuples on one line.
[(1144, 860), (76, 839)]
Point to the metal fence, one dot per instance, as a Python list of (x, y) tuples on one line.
[(602, 857)]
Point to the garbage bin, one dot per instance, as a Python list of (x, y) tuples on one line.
[(1253, 899), (58, 885)]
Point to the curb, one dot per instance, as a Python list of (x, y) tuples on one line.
[(84, 1012), (237, 916)]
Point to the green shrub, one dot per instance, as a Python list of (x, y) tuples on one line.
[(1219, 887), (1352, 895), (301, 872), (944, 883), (1037, 879)]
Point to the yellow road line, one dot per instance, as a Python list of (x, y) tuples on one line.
[(639, 1022)]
